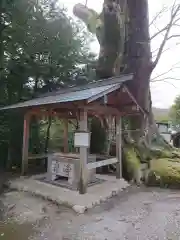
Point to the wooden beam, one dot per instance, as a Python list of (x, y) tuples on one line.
[(134, 100), (102, 163), (37, 156), (129, 109), (65, 121), (63, 111), (83, 154), (119, 147), (25, 146), (64, 114), (61, 106), (102, 109)]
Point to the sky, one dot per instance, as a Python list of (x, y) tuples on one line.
[(165, 89)]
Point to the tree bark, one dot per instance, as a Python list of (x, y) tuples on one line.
[(139, 60)]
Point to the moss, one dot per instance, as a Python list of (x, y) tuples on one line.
[(164, 153), (132, 160), (165, 172), (160, 153), (143, 153)]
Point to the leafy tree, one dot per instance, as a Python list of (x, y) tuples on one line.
[(175, 113), (40, 49)]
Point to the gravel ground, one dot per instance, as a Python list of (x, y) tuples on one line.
[(138, 213)]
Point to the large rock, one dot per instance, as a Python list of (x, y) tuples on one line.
[(79, 209)]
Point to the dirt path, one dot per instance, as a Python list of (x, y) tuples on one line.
[(139, 213)]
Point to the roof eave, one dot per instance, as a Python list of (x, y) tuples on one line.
[(110, 90)]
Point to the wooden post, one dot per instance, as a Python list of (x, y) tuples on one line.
[(83, 155), (65, 135), (119, 147), (25, 147)]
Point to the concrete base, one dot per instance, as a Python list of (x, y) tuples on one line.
[(79, 203)]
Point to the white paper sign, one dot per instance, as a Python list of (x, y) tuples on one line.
[(82, 139), (64, 169)]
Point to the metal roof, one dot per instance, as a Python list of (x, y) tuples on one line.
[(66, 97), (90, 92), (93, 84)]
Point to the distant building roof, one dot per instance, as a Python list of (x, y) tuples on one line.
[(89, 92)]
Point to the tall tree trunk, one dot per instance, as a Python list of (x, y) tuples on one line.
[(139, 60), (122, 30)]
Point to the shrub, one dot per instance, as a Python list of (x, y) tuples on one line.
[(164, 172), (132, 161)]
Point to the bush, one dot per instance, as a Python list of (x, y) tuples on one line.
[(164, 153), (160, 153), (164, 172), (132, 161)]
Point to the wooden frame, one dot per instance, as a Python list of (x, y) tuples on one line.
[(80, 110), (65, 121), (82, 114), (102, 163), (83, 154), (119, 147), (25, 148)]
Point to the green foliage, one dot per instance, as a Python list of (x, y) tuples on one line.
[(160, 153), (40, 49), (164, 168), (164, 172), (132, 160), (175, 113), (57, 136)]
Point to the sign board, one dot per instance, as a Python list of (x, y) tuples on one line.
[(62, 169), (82, 139)]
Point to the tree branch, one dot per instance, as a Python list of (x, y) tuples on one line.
[(174, 36), (165, 50), (175, 10), (174, 66), (168, 83), (167, 78), (159, 32), (158, 15)]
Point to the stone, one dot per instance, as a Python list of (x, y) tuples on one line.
[(11, 207), (79, 209), (96, 194), (114, 193), (98, 219), (108, 229), (44, 209)]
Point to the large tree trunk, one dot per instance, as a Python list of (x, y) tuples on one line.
[(123, 35), (139, 60), (122, 30)]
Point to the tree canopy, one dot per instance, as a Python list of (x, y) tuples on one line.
[(41, 48), (175, 113)]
